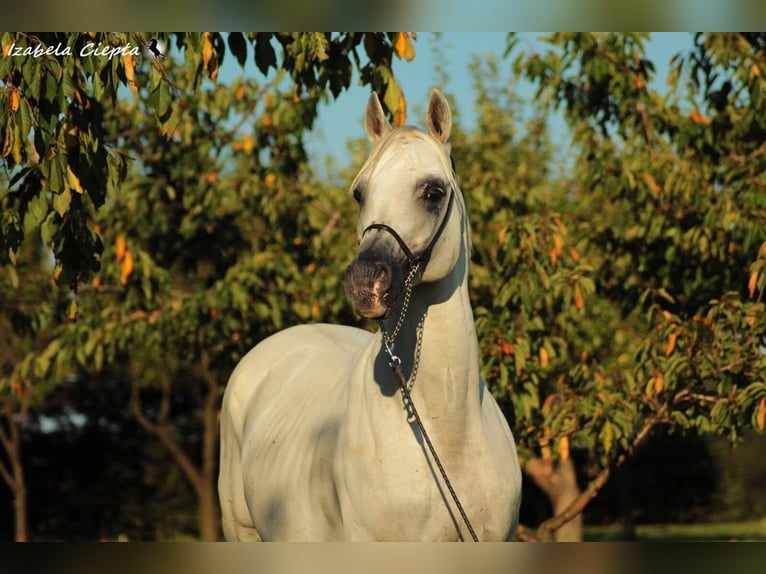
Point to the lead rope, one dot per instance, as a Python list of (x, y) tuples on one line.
[(396, 366)]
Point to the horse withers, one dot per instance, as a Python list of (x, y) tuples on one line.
[(318, 442)]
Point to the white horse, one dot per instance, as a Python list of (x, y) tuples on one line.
[(317, 440)]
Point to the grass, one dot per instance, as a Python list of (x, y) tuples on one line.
[(720, 531)]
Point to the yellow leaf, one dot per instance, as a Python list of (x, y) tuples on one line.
[(119, 247), (14, 99), (558, 243), (403, 46), (207, 50), (658, 381), (543, 357), (126, 268), (74, 181), (545, 444), (270, 180), (752, 284), (247, 144), (563, 448), (130, 72), (760, 418), (607, 436)]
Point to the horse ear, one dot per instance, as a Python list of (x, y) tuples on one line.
[(438, 116), (375, 123)]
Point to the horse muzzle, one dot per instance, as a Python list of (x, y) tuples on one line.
[(368, 284)]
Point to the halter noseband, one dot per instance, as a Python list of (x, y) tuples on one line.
[(425, 255)]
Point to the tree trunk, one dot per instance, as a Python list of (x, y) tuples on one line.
[(14, 476), (209, 514), (542, 468), (559, 483), (203, 479)]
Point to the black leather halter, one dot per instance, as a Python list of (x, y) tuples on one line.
[(422, 257)]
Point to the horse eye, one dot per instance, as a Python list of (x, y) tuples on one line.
[(433, 194), (357, 195)]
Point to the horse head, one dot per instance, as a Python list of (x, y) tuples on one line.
[(409, 228)]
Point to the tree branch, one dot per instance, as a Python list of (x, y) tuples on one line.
[(10, 450), (547, 528), (160, 430)]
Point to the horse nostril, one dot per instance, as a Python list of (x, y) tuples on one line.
[(381, 272)]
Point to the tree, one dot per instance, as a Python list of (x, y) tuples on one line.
[(666, 207), (204, 245)]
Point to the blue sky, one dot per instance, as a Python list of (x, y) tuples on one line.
[(342, 120)]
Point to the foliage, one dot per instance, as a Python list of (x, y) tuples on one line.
[(624, 294), (665, 213), (56, 90), (206, 239)]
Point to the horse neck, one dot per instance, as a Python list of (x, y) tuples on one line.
[(447, 381)]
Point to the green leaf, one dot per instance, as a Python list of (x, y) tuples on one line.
[(61, 201), (37, 210)]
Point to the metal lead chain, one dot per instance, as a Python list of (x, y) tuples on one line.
[(389, 339)]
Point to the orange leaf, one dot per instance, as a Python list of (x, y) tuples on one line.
[(212, 177), (578, 300), (130, 72), (400, 116), (554, 255), (760, 418), (699, 118), (501, 235), (671, 344), (14, 99), (127, 267), (403, 46), (574, 254), (651, 182), (119, 248), (752, 284)]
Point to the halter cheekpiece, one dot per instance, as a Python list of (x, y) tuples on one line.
[(421, 259)]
